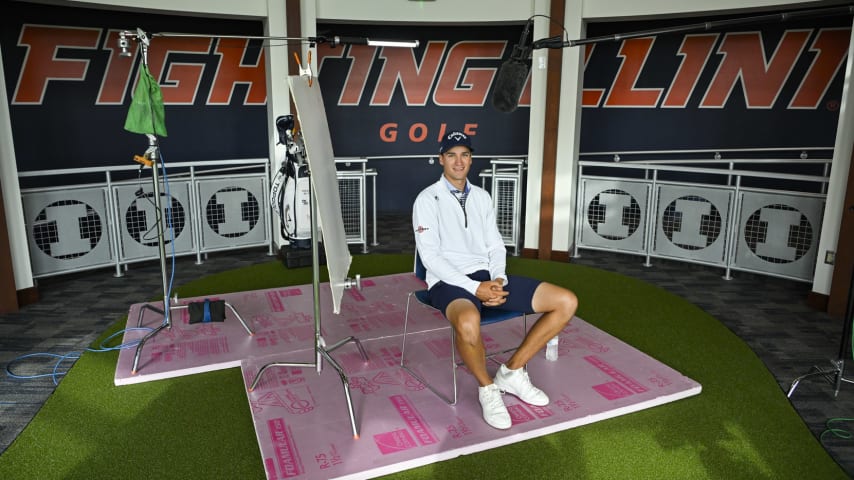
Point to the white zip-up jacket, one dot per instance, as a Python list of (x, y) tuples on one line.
[(453, 243)]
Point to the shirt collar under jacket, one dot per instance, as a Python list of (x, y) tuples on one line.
[(453, 189)]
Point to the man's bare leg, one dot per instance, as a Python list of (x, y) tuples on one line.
[(465, 318), (558, 306)]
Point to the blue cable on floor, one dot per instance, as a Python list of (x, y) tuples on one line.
[(56, 373)]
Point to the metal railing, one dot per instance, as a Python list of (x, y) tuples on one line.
[(73, 226), (743, 213), (352, 190), (506, 186), (90, 218)]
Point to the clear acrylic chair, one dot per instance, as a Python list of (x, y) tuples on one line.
[(488, 317)]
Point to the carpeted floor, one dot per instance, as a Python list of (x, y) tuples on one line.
[(769, 314)]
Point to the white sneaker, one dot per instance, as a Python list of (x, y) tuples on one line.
[(494, 411), (516, 382)]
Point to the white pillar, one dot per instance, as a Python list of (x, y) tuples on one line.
[(536, 125), (278, 94), (569, 130), (12, 195)]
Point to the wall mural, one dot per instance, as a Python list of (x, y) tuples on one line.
[(69, 90)]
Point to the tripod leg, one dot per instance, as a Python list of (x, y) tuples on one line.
[(242, 322), (833, 376), (344, 341), (142, 312), (263, 369), (840, 369), (346, 383), (142, 343)]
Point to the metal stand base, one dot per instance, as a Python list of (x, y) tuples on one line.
[(834, 376), (323, 352), (152, 156), (167, 323)]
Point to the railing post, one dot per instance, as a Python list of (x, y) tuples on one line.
[(268, 216), (734, 222), (196, 215), (651, 222), (374, 205), (579, 210), (363, 210), (112, 224)]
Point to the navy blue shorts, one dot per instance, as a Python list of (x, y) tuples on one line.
[(520, 293)]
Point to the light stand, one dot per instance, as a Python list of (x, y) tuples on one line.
[(835, 374), (321, 349), (151, 158)]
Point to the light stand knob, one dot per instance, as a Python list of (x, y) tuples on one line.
[(350, 283)]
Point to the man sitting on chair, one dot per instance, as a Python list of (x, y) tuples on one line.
[(460, 246)]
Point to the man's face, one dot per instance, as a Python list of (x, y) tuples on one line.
[(457, 162)]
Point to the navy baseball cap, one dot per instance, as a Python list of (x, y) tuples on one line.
[(454, 139)]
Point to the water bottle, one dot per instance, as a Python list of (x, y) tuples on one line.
[(551, 349)]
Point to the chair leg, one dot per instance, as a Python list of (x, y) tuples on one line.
[(405, 325), (417, 376), (454, 363)]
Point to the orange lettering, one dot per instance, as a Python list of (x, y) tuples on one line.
[(623, 92), (231, 72), (832, 47), (417, 132), (461, 86), (357, 77), (744, 60), (415, 80), (43, 63), (181, 81), (695, 52), (114, 87), (388, 132)]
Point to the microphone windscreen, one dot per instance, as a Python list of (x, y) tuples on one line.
[(509, 84)]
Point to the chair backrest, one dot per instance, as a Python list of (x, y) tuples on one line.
[(420, 270)]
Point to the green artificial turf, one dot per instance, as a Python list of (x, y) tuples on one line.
[(740, 427)]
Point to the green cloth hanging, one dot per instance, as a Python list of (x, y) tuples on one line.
[(146, 113)]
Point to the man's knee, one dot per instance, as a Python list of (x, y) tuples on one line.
[(568, 302), (466, 322), (551, 298)]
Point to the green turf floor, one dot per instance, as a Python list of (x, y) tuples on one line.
[(740, 427)]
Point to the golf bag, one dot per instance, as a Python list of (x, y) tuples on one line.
[(291, 190)]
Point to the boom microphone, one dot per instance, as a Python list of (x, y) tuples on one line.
[(513, 74)]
